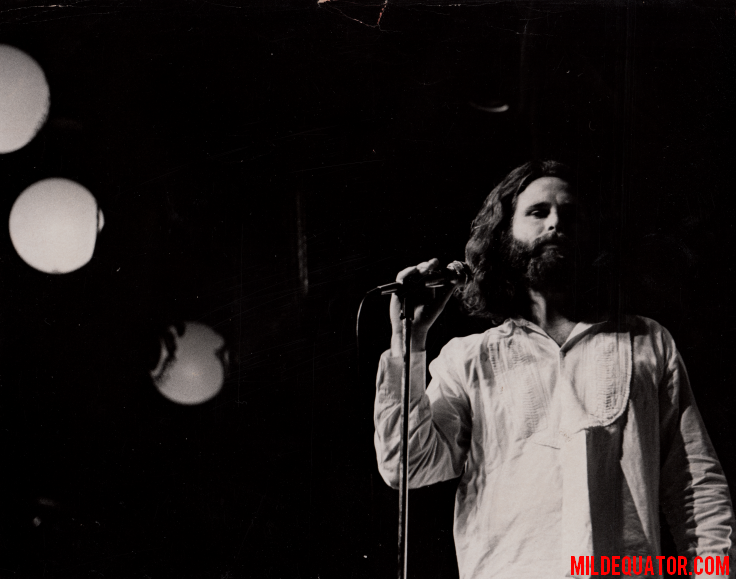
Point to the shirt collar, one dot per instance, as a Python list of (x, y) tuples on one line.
[(580, 329)]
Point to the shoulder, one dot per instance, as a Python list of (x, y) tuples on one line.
[(464, 348), (470, 347), (650, 330), (651, 341), (462, 356), (645, 325)]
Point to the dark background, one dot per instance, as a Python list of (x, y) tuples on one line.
[(219, 140)]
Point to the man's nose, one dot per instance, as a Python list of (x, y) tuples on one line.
[(552, 222)]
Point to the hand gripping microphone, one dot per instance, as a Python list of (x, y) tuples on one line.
[(457, 273)]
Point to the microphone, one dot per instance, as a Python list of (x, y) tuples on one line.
[(457, 273)]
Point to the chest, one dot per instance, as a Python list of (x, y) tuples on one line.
[(530, 388)]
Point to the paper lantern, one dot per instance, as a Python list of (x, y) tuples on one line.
[(192, 366), (24, 98), (54, 225)]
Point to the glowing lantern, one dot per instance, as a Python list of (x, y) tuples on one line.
[(24, 98), (54, 225), (192, 365)]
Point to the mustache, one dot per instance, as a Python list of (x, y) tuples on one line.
[(553, 238)]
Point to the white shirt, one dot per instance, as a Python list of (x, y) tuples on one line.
[(563, 450)]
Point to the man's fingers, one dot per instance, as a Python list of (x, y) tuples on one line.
[(420, 268), (430, 265), (431, 302), (404, 272)]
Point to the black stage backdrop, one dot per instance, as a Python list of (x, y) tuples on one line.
[(261, 165)]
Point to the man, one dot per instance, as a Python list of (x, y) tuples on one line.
[(570, 428)]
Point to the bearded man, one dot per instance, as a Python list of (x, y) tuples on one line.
[(570, 428)]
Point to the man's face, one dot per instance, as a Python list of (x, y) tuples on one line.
[(544, 208), (543, 235)]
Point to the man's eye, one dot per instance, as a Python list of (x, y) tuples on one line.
[(538, 213)]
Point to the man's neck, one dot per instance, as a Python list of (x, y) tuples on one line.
[(547, 310)]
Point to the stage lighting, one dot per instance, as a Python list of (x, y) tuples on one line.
[(492, 106), (54, 225), (192, 365), (24, 98)]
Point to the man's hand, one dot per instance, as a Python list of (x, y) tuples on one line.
[(428, 304)]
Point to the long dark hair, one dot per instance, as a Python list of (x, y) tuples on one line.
[(492, 293)]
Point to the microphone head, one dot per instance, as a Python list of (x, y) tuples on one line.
[(462, 273), (457, 274)]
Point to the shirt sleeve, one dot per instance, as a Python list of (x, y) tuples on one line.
[(693, 489), (439, 421)]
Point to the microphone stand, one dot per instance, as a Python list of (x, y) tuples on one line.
[(405, 292), (407, 316)]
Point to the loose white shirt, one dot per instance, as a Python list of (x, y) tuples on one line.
[(563, 450)]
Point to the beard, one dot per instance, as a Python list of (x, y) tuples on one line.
[(540, 265)]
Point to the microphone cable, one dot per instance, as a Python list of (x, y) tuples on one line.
[(374, 291)]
